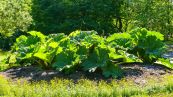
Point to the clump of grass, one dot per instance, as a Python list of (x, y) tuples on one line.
[(83, 88), (4, 86)]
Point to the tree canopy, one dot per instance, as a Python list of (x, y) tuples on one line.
[(14, 16), (105, 17)]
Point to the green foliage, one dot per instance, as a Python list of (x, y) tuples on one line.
[(105, 17), (165, 62), (97, 58), (120, 39), (122, 43), (66, 56), (14, 16), (47, 49), (112, 70), (148, 45), (3, 56), (67, 15), (139, 45), (156, 15), (145, 45), (81, 49), (64, 16), (4, 84), (25, 47), (85, 50)]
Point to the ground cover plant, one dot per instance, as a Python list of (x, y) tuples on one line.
[(87, 51)]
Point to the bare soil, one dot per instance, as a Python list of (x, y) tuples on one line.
[(137, 72)]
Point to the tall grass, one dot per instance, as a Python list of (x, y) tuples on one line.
[(83, 88)]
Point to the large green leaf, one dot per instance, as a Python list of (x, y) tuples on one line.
[(56, 37), (120, 39), (42, 56), (97, 58), (37, 34), (165, 62), (112, 70), (148, 45), (65, 59)]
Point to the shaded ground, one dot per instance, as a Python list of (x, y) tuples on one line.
[(137, 72), (141, 74)]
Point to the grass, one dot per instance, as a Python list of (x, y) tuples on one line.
[(84, 88)]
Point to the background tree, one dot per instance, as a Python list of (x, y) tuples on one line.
[(14, 16), (154, 15), (65, 16), (52, 16)]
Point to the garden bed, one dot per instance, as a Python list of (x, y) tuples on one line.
[(137, 72)]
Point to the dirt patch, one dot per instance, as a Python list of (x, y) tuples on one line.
[(141, 73), (34, 73), (137, 72)]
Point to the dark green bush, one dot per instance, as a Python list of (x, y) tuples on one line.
[(64, 16)]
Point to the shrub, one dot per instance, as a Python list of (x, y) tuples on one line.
[(80, 50), (66, 16), (122, 43), (25, 47), (148, 45), (85, 50), (15, 16), (120, 39)]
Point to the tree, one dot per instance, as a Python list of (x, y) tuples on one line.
[(154, 15), (14, 16), (53, 16)]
